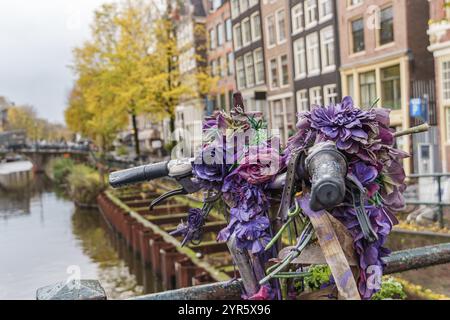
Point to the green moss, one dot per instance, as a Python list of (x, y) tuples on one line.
[(390, 289)]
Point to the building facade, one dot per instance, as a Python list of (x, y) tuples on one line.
[(316, 53), (439, 34), (384, 62), (278, 63), (220, 54), (192, 46), (248, 44)]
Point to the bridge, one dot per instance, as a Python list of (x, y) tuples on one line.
[(40, 157)]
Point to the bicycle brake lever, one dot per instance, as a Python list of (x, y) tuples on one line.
[(177, 192)]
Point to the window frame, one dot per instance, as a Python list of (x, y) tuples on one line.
[(277, 26), (248, 66), (280, 70), (327, 95), (268, 25), (323, 18), (237, 36), (259, 62), (297, 63), (255, 36), (306, 10), (271, 74), (294, 17), (352, 36), (313, 57), (312, 97), (301, 100), (323, 51)]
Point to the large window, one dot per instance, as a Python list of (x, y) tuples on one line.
[(237, 36), (230, 63), (243, 4), (212, 39), (249, 69), (386, 32), (271, 30), (310, 13), (281, 26), (240, 72), (368, 92), (256, 26), (327, 45), (273, 67), (358, 35), (391, 88), (283, 117), (234, 8), (246, 31), (300, 58), (325, 10), (297, 18), (284, 70), (447, 115), (228, 30), (259, 66), (313, 56), (315, 95), (330, 94), (220, 37), (302, 101)]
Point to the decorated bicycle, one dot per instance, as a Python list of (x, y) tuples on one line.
[(328, 198)]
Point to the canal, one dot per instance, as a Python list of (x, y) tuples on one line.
[(44, 239)]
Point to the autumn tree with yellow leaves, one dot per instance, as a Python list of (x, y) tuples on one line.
[(128, 68)]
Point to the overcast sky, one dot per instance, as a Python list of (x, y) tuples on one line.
[(36, 41)]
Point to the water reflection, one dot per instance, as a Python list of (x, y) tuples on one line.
[(43, 236)]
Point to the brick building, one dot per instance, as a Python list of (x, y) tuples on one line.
[(384, 56)]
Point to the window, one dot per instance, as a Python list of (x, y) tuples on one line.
[(246, 31), (252, 3), (230, 63), (240, 72), (222, 67), (256, 27), (271, 33), (302, 101), (446, 81), (297, 18), (316, 96), (282, 117), (350, 86), (386, 32), (390, 87), (237, 36), (273, 67), (281, 27), (243, 4), (327, 49), (259, 66), (368, 92), (310, 13), (312, 52), (234, 8), (330, 94), (214, 68), (219, 31), (249, 70), (228, 30), (358, 35), (325, 10), (300, 58), (212, 39), (284, 70)]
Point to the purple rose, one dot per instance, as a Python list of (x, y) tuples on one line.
[(259, 165)]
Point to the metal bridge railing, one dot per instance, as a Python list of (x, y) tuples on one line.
[(440, 204)]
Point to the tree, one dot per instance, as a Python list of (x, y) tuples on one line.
[(130, 67)]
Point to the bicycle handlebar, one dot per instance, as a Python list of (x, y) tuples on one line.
[(139, 174)]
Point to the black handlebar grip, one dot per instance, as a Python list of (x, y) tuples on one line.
[(139, 174)]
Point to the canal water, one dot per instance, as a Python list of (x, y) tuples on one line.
[(44, 239)]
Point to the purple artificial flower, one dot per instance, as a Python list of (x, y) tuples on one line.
[(366, 174), (190, 230), (210, 165), (259, 165)]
